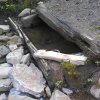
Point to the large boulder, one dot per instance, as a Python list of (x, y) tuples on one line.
[(5, 85), (58, 95), (15, 56), (77, 21), (16, 95), (28, 79)]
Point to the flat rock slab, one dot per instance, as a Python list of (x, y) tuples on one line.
[(77, 20), (28, 79)]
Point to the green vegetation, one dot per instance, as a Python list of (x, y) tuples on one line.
[(71, 73), (70, 68), (98, 27), (7, 7), (11, 7), (58, 83)]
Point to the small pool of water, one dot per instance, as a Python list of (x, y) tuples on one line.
[(43, 37)]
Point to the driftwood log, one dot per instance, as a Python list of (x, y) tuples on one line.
[(75, 20), (50, 69), (56, 56)]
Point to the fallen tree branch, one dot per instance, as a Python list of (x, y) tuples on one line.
[(51, 55)]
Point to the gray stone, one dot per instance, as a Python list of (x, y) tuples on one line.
[(31, 20), (25, 59), (5, 70), (1, 31), (4, 38), (48, 91), (3, 97), (10, 34), (15, 40), (12, 47), (15, 56), (5, 28), (67, 91), (5, 65), (58, 95), (3, 0), (27, 12), (95, 90), (2, 60), (16, 95), (5, 85), (27, 79), (4, 50), (28, 20)]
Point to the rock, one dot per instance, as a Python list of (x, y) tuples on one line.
[(5, 65), (10, 34), (3, 97), (16, 95), (1, 31), (25, 59), (28, 20), (3, 0), (4, 50), (48, 91), (67, 91), (28, 80), (95, 90), (5, 38), (2, 60), (58, 95), (15, 56), (20, 65), (15, 40), (12, 47), (5, 70), (26, 12), (5, 85), (5, 28)]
